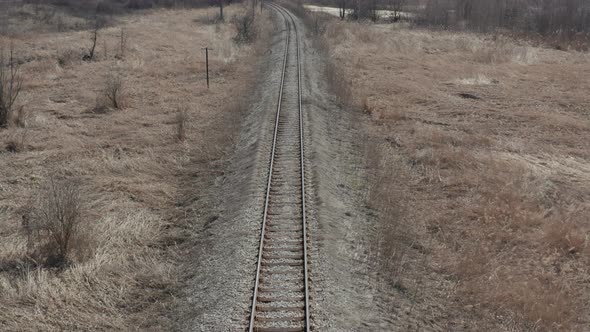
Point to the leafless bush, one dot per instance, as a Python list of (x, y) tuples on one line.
[(67, 57), (246, 31), (10, 85), (181, 123), (208, 19), (115, 91), (17, 142), (112, 96), (53, 226), (21, 117), (319, 23)]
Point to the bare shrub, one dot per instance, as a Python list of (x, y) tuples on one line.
[(112, 96), (17, 142), (181, 123), (53, 227), (10, 85), (20, 118), (208, 19), (319, 23), (67, 57), (246, 31), (566, 234)]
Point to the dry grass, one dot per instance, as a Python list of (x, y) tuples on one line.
[(480, 177), (131, 170), (181, 124)]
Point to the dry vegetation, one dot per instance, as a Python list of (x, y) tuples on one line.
[(99, 160), (479, 154)]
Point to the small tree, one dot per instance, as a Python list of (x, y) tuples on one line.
[(98, 24), (397, 7), (10, 85), (245, 29)]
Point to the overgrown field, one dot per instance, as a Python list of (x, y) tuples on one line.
[(480, 161), (99, 157)]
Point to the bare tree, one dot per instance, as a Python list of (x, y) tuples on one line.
[(98, 24), (342, 9), (374, 11), (220, 10), (365, 9), (397, 7), (10, 85)]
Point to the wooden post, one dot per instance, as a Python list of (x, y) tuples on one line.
[(207, 64)]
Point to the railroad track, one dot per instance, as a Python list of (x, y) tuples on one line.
[(280, 302)]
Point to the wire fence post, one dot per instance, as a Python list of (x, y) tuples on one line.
[(207, 49), (207, 64)]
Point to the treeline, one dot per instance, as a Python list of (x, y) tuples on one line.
[(118, 6), (545, 17)]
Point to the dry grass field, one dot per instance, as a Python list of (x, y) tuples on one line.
[(125, 165), (480, 162)]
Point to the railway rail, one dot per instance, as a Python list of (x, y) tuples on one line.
[(280, 301)]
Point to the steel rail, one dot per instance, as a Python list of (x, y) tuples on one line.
[(301, 140), (269, 181), (284, 13)]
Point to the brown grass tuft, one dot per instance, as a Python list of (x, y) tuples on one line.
[(17, 141), (181, 124)]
